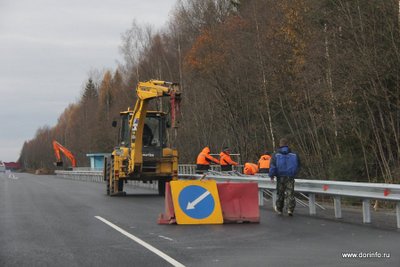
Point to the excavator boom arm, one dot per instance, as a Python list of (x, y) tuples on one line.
[(145, 92), (58, 147)]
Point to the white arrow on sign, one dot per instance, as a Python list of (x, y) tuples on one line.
[(191, 205)]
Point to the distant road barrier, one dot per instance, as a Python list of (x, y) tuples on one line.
[(96, 176), (336, 189), (82, 175)]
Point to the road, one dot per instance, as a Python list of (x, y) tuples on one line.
[(50, 221)]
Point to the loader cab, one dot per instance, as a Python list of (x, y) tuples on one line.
[(124, 136), (154, 137), (154, 133)]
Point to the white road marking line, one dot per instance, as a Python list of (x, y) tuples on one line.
[(170, 239), (142, 243), (12, 176)]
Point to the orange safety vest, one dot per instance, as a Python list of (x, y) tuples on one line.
[(204, 158), (250, 168), (264, 162), (225, 159)]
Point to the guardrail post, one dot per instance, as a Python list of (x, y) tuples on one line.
[(338, 207), (260, 197), (398, 214), (366, 211), (274, 196), (311, 204)]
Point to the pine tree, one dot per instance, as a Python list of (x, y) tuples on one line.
[(90, 91)]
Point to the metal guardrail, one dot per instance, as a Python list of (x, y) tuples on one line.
[(191, 168), (88, 176), (336, 189), (97, 177), (87, 169)]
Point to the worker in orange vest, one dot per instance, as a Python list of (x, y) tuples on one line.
[(225, 160), (263, 162), (204, 159), (250, 168)]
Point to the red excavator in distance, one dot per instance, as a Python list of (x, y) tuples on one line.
[(57, 148)]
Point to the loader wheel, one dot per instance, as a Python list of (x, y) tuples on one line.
[(107, 169), (110, 184), (161, 187), (120, 185)]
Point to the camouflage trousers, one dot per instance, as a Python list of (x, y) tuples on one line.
[(285, 184)]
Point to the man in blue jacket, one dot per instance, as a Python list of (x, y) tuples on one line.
[(285, 165)]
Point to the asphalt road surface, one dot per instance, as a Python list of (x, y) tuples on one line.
[(50, 221)]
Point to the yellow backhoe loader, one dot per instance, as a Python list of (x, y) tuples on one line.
[(143, 152)]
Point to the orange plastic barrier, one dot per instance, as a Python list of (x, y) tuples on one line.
[(169, 216), (239, 202)]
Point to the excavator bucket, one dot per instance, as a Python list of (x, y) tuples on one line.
[(59, 163)]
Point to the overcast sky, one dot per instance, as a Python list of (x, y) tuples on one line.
[(47, 49)]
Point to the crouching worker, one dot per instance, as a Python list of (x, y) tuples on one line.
[(203, 161), (250, 168), (264, 162)]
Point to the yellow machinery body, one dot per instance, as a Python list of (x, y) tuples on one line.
[(143, 152)]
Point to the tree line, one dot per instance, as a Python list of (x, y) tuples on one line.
[(323, 73)]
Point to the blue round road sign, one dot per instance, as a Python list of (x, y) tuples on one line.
[(196, 202)]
